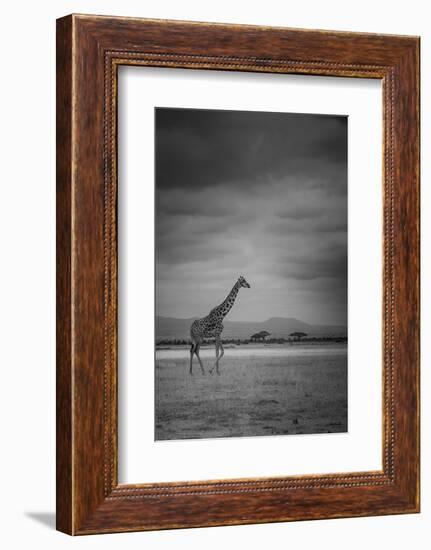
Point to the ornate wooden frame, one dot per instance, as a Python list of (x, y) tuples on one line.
[(89, 51)]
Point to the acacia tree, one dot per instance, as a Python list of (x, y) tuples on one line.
[(260, 335), (297, 335)]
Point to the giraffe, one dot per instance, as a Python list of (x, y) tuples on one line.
[(211, 327)]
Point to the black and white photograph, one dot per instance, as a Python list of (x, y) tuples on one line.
[(251, 274)]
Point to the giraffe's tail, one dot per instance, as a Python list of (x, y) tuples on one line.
[(193, 344), (193, 335), (194, 339)]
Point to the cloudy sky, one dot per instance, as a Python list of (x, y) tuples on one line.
[(252, 193)]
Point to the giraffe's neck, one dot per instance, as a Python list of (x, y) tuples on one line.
[(226, 306)]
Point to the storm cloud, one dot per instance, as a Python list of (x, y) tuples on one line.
[(252, 193)]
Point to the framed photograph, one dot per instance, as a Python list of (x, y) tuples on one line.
[(237, 274)]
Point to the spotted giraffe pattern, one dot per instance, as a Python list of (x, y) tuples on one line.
[(211, 326)]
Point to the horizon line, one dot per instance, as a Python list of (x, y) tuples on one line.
[(256, 321)]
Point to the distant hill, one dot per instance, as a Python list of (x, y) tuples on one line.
[(169, 328)]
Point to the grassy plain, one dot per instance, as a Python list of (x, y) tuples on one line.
[(262, 390)]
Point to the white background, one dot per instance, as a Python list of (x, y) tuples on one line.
[(141, 458), (27, 122)]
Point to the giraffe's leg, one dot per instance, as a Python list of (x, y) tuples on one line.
[(192, 350), (220, 356), (199, 359), (217, 348)]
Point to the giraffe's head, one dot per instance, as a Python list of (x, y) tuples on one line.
[(242, 282)]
